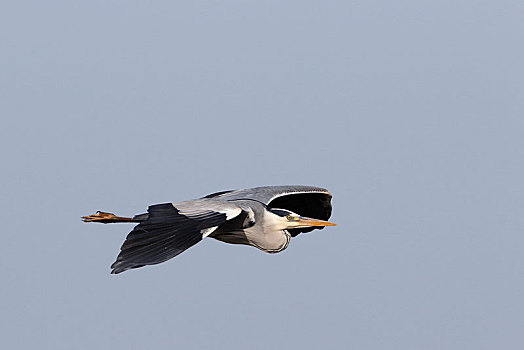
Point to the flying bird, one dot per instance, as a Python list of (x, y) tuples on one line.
[(263, 217)]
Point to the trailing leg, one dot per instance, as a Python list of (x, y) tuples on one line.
[(106, 218)]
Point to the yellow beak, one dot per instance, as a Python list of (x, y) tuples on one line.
[(307, 222)]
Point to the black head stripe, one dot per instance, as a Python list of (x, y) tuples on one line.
[(281, 212)]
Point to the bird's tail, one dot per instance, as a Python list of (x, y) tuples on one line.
[(107, 218)]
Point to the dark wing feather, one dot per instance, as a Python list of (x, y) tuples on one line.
[(312, 205), (162, 236)]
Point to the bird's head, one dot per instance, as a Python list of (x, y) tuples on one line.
[(286, 219)]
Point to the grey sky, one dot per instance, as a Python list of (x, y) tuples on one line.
[(410, 113)]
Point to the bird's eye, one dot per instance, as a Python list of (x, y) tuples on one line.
[(289, 217)]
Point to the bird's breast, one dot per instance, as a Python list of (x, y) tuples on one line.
[(269, 242)]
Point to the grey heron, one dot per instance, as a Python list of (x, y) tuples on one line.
[(263, 217)]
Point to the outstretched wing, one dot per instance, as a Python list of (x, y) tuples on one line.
[(170, 229), (266, 194), (309, 201)]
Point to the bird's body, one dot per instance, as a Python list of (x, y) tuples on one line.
[(263, 217), (267, 236)]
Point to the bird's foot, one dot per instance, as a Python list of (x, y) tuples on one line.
[(101, 217)]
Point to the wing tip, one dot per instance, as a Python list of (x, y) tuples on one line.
[(116, 268), (120, 266)]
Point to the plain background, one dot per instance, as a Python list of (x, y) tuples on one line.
[(409, 112)]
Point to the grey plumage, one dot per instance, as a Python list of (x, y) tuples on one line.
[(263, 217)]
